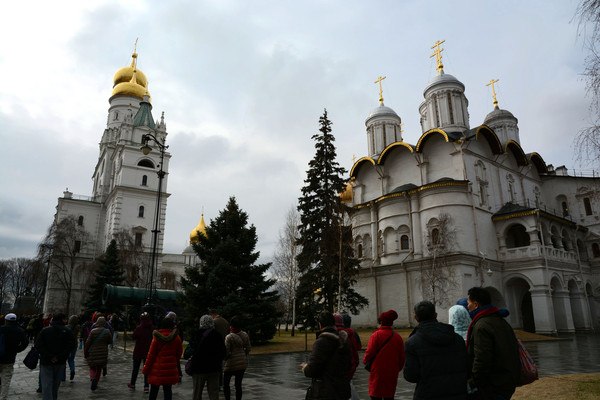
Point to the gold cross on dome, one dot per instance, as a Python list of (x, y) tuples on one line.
[(438, 55), (492, 81), (380, 90), (353, 159)]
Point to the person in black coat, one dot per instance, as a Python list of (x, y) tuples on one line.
[(15, 341), (329, 362), (436, 357), (207, 358)]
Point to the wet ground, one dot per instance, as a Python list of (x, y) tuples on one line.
[(278, 376)]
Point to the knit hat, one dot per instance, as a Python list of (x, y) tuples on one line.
[(339, 321), (145, 315), (171, 315), (206, 322), (387, 318), (10, 317), (347, 320)]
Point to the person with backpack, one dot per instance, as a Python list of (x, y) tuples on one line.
[(329, 363), (54, 344), (13, 340)]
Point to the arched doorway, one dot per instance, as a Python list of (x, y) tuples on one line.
[(520, 305)]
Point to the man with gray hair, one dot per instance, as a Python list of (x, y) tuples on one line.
[(436, 357)]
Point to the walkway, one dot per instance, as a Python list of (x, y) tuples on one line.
[(278, 376)]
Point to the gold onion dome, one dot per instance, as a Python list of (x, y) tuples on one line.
[(130, 80), (200, 228), (346, 195)]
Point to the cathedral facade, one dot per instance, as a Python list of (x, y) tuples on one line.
[(467, 206)]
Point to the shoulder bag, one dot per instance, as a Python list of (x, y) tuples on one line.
[(369, 363), (31, 359), (529, 371), (86, 352)]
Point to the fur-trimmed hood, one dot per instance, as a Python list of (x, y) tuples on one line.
[(165, 335)]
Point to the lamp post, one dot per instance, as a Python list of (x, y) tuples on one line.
[(146, 149)]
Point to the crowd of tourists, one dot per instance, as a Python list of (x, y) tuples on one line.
[(475, 356)]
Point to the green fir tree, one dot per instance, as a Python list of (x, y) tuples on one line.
[(228, 278), (326, 242), (109, 272)]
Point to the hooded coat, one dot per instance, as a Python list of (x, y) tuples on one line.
[(96, 345), (387, 364), (329, 365), (163, 358), (436, 360), (142, 335), (459, 318)]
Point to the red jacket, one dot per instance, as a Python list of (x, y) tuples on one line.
[(163, 357), (388, 363)]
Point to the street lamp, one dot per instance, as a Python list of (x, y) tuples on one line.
[(146, 149)]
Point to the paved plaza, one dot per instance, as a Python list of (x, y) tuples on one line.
[(278, 376)]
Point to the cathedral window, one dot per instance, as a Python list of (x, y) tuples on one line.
[(565, 209), (146, 163), (77, 247), (80, 220), (138, 239), (360, 251), (435, 236), (588, 206), (583, 254), (596, 250), (482, 183), (450, 108), (116, 116), (511, 188), (517, 236), (145, 180), (141, 212), (404, 244)]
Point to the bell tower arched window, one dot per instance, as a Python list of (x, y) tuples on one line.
[(145, 180), (141, 212)]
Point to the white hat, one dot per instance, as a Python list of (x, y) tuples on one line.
[(10, 317)]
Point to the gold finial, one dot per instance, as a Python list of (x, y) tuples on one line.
[(401, 130), (380, 90), (438, 55), (353, 158), (492, 81)]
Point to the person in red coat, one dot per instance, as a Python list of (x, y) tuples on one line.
[(163, 357), (386, 349)]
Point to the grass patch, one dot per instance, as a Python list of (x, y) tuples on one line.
[(564, 387)]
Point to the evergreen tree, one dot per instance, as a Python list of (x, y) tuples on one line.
[(323, 235), (228, 278), (109, 272)]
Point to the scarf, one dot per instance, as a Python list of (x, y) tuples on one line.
[(479, 313)]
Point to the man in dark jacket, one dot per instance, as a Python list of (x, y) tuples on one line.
[(329, 362), (54, 343), (493, 350), (436, 357), (207, 359), (15, 341)]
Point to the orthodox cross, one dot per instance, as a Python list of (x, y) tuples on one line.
[(492, 81), (380, 91), (353, 158), (438, 55)]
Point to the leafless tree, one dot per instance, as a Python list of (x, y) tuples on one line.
[(5, 281), (131, 257), (285, 266), (23, 277), (438, 279), (587, 141), (64, 242)]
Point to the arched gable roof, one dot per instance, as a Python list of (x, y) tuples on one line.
[(389, 149), (516, 151), (491, 138), (359, 164), (539, 162), (424, 137)]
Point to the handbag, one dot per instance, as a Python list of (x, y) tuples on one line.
[(529, 371), (31, 359), (369, 363)]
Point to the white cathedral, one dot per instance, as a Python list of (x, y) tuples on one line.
[(467, 206), (124, 195)]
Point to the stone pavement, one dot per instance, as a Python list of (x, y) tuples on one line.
[(278, 376)]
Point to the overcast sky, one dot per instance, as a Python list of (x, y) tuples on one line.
[(243, 84)]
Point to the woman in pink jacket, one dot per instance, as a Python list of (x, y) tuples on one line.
[(386, 350)]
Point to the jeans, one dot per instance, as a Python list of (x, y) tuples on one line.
[(71, 359), (166, 390), (135, 371), (6, 373), (212, 381), (51, 376), (239, 375)]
